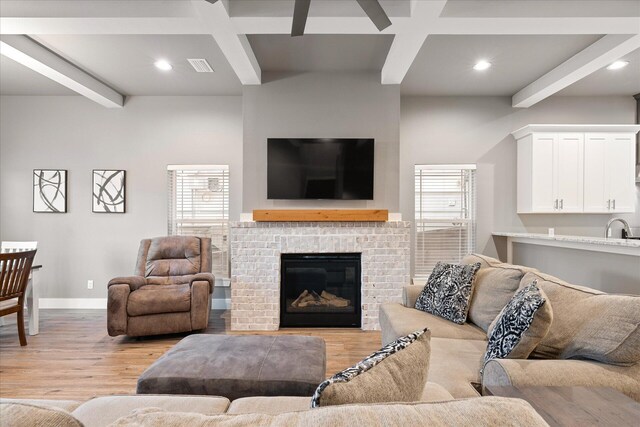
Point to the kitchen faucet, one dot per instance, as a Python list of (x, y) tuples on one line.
[(622, 221)]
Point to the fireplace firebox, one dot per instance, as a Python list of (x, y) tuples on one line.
[(320, 290)]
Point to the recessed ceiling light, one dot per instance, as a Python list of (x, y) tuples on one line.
[(482, 65), (617, 65), (163, 64)]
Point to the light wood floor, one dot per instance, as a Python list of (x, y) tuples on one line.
[(74, 358)]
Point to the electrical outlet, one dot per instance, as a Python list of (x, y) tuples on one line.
[(89, 284)]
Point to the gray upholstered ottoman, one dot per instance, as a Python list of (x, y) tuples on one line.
[(238, 366)]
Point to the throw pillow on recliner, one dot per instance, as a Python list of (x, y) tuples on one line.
[(448, 291), (520, 326)]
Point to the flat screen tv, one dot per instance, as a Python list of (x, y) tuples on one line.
[(320, 168)]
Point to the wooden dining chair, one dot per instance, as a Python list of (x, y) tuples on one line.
[(15, 268), (18, 246)]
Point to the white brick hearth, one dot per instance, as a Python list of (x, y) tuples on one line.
[(255, 264)]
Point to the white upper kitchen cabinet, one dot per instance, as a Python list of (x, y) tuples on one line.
[(568, 162), (609, 172), (620, 167), (576, 168)]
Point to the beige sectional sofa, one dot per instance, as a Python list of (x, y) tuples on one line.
[(171, 410), (594, 338), (593, 341)]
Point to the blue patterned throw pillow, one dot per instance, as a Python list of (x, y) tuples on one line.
[(448, 291), (395, 373), (511, 334)]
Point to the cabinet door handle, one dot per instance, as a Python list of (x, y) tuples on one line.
[(555, 204), (609, 204), (561, 203), (614, 204)]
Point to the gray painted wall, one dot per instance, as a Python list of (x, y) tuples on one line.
[(151, 132), (308, 105), (477, 130), (72, 133)]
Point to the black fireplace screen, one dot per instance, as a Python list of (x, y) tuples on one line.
[(320, 290)]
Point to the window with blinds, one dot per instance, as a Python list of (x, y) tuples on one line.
[(445, 215), (199, 206)]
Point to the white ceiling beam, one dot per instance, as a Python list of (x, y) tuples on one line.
[(409, 39), (444, 25), (235, 46), (98, 17), (315, 25), (536, 26), (600, 54), (27, 52), (150, 23), (102, 25)]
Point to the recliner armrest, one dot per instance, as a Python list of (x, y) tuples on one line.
[(204, 277), (410, 295), (117, 317), (134, 282)]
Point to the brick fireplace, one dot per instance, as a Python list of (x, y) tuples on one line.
[(257, 249)]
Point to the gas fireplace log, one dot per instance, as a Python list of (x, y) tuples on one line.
[(334, 300), (298, 300), (325, 299)]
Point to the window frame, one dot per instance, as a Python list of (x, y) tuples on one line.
[(463, 220), (218, 223)]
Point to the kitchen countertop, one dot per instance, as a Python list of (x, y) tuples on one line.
[(573, 239)]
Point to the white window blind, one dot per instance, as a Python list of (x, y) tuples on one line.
[(445, 215), (199, 206)]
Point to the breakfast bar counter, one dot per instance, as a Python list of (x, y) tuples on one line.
[(587, 243)]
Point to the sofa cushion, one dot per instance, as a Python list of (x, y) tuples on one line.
[(65, 405), (280, 404), (562, 373), (395, 373), (102, 411), (173, 256), (520, 326), (411, 293), (268, 405), (157, 299), (490, 411), (493, 288), (397, 320), (435, 393), (487, 261), (455, 364), (448, 291), (26, 414), (589, 324)]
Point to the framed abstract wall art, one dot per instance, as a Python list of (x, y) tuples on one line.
[(50, 190), (109, 191)]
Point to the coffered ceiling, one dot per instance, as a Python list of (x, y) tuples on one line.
[(444, 65), (321, 52), (105, 49), (125, 62)]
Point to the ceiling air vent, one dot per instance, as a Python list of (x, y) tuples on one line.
[(200, 65)]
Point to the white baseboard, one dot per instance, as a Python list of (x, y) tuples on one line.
[(74, 303), (101, 303)]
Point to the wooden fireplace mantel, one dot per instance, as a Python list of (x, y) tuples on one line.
[(321, 215)]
